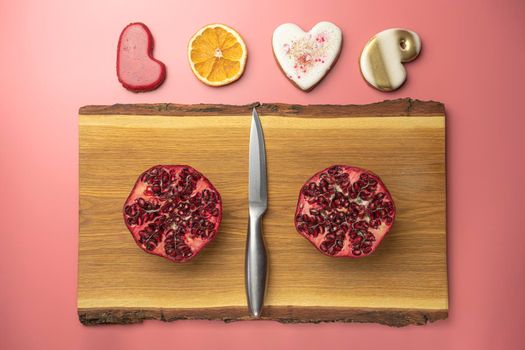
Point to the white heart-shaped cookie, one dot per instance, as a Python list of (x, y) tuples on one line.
[(305, 58)]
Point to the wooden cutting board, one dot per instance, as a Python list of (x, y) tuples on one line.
[(403, 282)]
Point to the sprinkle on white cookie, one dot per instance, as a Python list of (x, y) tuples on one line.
[(305, 58), (383, 56)]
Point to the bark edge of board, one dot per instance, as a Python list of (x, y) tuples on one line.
[(399, 107), (283, 314)]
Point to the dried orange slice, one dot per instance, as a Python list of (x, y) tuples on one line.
[(217, 55)]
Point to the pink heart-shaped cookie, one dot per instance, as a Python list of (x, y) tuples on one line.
[(137, 70), (305, 58)]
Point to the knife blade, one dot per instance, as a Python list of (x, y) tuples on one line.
[(256, 264)]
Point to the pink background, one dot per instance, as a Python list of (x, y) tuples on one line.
[(58, 55)]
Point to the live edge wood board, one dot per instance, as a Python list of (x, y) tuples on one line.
[(404, 282)]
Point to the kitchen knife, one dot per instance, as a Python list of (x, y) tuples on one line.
[(256, 266)]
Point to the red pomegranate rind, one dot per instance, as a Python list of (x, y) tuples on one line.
[(137, 69), (344, 211), (173, 211)]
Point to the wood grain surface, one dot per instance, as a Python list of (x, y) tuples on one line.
[(403, 282)]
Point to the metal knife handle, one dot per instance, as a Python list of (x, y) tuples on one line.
[(256, 266)]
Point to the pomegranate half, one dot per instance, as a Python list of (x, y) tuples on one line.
[(173, 211), (344, 211)]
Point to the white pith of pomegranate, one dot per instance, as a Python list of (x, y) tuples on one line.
[(173, 211), (344, 211)]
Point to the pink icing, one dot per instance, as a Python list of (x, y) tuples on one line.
[(307, 52)]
